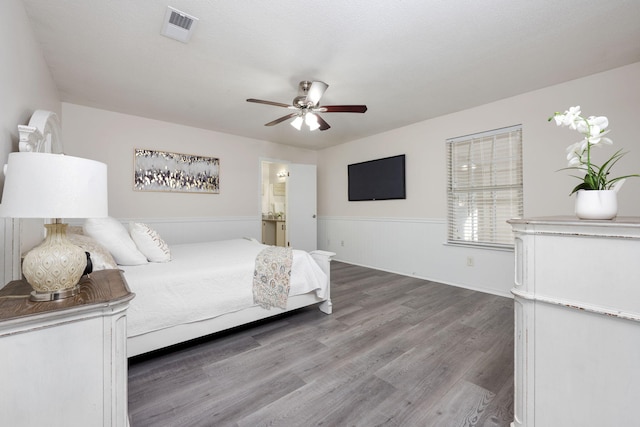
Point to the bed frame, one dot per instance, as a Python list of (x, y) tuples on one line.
[(181, 333)]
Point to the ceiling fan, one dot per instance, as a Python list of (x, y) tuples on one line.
[(306, 106)]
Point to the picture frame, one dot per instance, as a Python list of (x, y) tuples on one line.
[(156, 170)]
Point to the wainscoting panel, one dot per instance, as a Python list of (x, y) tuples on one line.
[(408, 246), (193, 230), (416, 247), (9, 236)]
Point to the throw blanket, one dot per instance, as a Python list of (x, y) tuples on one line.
[(271, 277)]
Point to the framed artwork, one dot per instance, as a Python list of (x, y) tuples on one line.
[(165, 171)]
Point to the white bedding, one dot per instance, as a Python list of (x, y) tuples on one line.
[(205, 280)]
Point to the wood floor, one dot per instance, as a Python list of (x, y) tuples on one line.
[(397, 351)]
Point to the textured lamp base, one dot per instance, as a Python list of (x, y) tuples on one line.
[(54, 268)]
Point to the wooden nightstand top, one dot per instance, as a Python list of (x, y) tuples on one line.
[(104, 287)]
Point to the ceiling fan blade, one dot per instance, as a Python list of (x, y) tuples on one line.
[(323, 124), (316, 91), (343, 108), (260, 101), (281, 119)]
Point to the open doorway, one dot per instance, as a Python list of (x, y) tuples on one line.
[(274, 203)]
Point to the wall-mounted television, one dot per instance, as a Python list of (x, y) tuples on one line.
[(380, 179)]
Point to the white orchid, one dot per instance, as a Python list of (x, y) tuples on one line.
[(568, 118), (594, 130)]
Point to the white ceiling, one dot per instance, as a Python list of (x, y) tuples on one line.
[(407, 60)]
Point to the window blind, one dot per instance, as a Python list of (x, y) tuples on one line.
[(484, 187)]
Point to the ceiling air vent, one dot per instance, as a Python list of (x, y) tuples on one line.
[(178, 25)]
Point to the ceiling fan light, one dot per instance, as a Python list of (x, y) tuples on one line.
[(297, 123), (311, 120)]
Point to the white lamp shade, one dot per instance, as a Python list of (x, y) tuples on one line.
[(43, 185), (311, 120), (297, 122)]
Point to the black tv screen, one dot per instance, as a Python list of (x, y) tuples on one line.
[(381, 179)]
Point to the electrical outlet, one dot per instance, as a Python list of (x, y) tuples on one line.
[(469, 261), (341, 242)]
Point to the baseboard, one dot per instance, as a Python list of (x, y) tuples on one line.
[(431, 279)]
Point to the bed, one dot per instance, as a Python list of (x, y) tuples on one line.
[(178, 289), (191, 290)]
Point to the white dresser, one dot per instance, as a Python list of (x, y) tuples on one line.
[(64, 363), (577, 322)]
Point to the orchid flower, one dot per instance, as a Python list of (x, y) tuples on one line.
[(594, 130), (568, 118)]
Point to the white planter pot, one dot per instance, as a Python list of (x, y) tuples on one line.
[(596, 204)]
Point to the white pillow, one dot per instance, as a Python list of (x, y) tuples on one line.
[(111, 234), (149, 242), (101, 259)]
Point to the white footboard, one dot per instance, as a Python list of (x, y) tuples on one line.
[(323, 258)]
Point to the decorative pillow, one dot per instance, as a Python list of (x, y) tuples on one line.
[(149, 242), (111, 234), (100, 257)]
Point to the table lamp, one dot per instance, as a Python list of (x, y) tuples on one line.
[(54, 186)]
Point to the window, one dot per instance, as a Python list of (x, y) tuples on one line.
[(484, 187)]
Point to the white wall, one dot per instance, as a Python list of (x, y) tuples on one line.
[(25, 86), (25, 82), (111, 138), (406, 236)]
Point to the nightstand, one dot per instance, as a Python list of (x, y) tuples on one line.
[(64, 363)]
